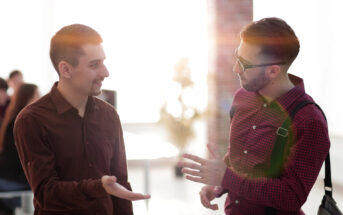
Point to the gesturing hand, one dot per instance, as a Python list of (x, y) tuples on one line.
[(204, 171), (207, 194), (113, 188)]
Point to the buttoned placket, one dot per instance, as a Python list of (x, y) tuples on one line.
[(86, 142)]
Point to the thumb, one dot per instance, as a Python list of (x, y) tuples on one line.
[(106, 179)]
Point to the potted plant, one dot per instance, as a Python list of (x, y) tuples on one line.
[(179, 125)]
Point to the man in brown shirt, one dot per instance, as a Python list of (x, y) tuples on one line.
[(70, 143)]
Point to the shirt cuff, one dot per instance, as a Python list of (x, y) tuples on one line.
[(94, 189), (232, 181)]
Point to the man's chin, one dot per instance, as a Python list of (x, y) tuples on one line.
[(249, 88), (95, 92)]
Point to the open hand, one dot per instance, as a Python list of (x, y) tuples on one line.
[(113, 188), (210, 172)]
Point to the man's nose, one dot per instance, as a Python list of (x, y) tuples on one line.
[(104, 72)]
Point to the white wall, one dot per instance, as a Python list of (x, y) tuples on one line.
[(142, 40)]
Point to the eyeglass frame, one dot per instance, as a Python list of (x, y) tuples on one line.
[(245, 66)]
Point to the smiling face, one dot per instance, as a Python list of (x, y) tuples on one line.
[(85, 79)]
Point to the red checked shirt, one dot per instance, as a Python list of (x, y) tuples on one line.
[(64, 156), (252, 137)]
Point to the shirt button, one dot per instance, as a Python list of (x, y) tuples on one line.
[(264, 105), (245, 151), (254, 127), (90, 165), (87, 143), (236, 201)]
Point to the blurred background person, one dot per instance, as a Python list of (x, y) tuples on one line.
[(12, 177), (4, 98), (15, 80)]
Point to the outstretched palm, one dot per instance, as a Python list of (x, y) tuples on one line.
[(113, 188)]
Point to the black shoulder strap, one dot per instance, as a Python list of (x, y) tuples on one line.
[(327, 179), (283, 141), (284, 135)]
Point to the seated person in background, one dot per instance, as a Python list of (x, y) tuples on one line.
[(4, 98), (12, 177)]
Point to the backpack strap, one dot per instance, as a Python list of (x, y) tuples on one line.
[(283, 142), (279, 154)]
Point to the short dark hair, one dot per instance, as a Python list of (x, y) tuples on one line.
[(275, 37), (3, 84), (66, 43), (14, 73)]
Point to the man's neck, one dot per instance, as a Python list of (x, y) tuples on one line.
[(76, 100), (276, 88)]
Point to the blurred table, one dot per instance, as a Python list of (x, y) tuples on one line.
[(146, 148)]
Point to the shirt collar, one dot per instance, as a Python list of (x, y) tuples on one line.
[(62, 105), (287, 99)]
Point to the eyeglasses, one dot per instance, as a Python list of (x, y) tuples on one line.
[(245, 66)]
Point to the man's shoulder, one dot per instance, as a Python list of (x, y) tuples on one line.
[(309, 113), (39, 107), (104, 107)]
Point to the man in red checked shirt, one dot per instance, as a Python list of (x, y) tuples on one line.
[(70, 143), (266, 97)]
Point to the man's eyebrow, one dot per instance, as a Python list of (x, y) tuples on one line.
[(95, 61), (243, 60), (240, 58)]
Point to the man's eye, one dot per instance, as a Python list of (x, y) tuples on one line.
[(94, 65)]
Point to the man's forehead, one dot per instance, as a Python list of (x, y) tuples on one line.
[(248, 48), (248, 51), (93, 52)]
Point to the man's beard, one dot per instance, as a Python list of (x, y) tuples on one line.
[(256, 84)]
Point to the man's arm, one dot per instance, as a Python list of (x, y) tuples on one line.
[(290, 190), (38, 163)]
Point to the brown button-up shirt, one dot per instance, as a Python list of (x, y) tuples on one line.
[(64, 156)]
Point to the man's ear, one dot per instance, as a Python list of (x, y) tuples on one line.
[(274, 71), (65, 69)]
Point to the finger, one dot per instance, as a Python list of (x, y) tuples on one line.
[(191, 172), (207, 203), (194, 158), (122, 192), (195, 179), (189, 165), (213, 207), (214, 152), (139, 196), (109, 179), (204, 200), (134, 196)]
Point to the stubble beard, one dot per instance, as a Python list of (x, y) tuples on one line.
[(256, 84)]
